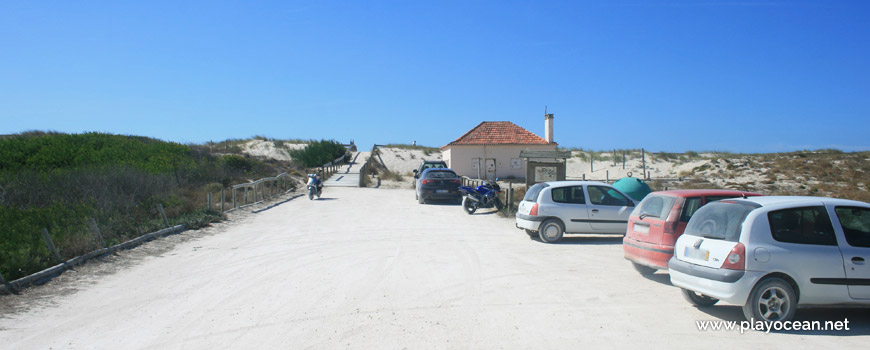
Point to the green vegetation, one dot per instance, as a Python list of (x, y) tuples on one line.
[(318, 153), (60, 181)]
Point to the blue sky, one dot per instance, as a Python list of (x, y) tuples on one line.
[(740, 76)]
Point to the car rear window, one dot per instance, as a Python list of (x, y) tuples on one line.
[(655, 206), (719, 220), (534, 191), (440, 174), (434, 165)]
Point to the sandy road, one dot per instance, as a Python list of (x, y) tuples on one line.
[(372, 269)]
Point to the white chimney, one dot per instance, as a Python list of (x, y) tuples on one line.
[(548, 127)]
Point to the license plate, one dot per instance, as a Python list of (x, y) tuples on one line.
[(641, 228), (441, 191), (701, 254)]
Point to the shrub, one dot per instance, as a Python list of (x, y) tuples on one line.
[(318, 153), (61, 181)]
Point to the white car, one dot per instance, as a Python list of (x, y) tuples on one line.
[(551, 209), (775, 254)]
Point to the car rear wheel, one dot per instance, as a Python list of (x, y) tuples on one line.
[(699, 300), (772, 299), (421, 200), (551, 231), (643, 269), (531, 233)]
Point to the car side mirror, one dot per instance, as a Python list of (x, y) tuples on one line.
[(415, 171)]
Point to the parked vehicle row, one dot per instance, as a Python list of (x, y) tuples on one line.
[(769, 254)]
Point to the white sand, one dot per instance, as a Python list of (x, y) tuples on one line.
[(339, 273), (268, 149), (405, 161)]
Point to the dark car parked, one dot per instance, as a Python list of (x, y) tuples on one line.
[(438, 183), (428, 164)]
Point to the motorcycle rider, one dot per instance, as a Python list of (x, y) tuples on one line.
[(314, 180)]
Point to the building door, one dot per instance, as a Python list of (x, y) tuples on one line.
[(490, 168)]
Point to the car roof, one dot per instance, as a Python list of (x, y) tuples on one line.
[(706, 192), (432, 161), (575, 183), (776, 200), (437, 169)]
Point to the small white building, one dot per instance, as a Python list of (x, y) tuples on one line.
[(492, 149)]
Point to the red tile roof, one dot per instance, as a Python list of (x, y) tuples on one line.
[(499, 133)]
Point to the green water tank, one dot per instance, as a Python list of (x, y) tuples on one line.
[(633, 187)]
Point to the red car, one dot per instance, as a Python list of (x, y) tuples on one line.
[(659, 219)]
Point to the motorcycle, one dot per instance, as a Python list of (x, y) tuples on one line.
[(484, 196), (315, 186)]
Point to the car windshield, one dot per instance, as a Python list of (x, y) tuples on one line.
[(534, 191), (719, 220), (440, 174), (434, 165), (655, 206)]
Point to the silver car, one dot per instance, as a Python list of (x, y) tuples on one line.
[(775, 254), (551, 209)]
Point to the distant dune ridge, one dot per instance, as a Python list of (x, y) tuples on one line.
[(827, 173)]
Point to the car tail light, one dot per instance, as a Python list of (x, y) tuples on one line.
[(736, 259), (534, 210), (426, 182)]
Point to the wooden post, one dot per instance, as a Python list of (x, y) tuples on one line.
[(623, 160), (222, 200), (584, 176), (592, 163), (246, 194), (510, 202), (234, 198), (163, 214), (96, 231), (8, 285), (607, 176), (643, 158), (51, 247), (208, 200)]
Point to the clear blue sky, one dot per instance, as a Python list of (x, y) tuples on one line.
[(741, 76)]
